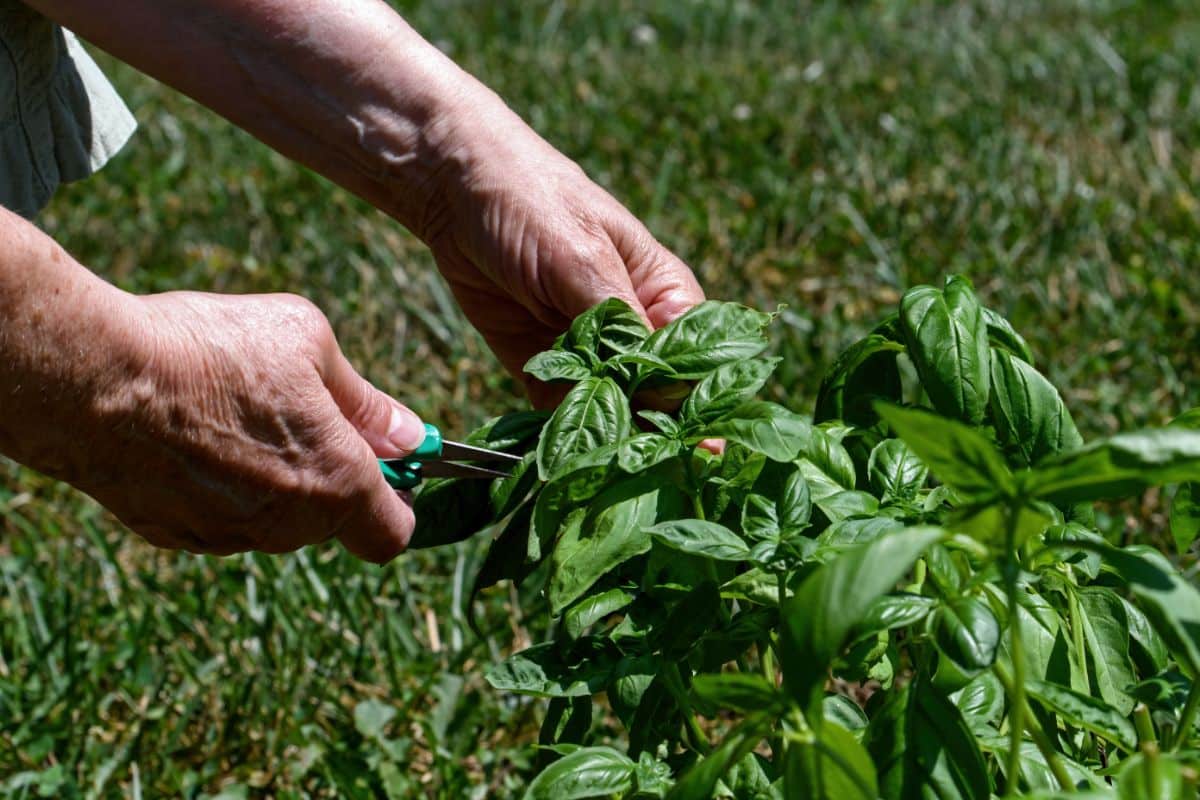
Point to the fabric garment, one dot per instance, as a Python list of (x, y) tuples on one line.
[(60, 118)]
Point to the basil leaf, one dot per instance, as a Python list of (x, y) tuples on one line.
[(763, 427), (607, 329), (833, 767), (1185, 516), (699, 782), (948, 344), (741, 691), (557, 365), (724, 389), (960, 457), (591, 610), (701, 538), (1116, 467), (543, 671), (449, 510), (896, 610), (895, 471), (1028, 412), (513, 433), (1002, 334), (709, 335), (587, 773), (1162, 778), (664, 422), (778, 506), (1084, 711), (864, 372), (924, 748), (1106, 632), (594, 413), (966, 632), (850, 583), (645, 450), (508, 493), (600, 538)]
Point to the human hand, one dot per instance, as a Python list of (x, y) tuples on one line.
[(245, 428), (527, 241)]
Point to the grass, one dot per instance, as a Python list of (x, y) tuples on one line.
[(822, 155)]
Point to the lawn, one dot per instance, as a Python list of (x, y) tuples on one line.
[(825, 156)]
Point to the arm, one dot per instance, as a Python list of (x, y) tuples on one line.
[(214, 424), (524, 239)]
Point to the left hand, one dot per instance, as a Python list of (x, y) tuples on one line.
[(527, 241)]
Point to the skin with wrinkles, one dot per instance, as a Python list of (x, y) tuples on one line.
[(222, 424)]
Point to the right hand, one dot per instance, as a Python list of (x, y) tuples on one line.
[(243, 427)]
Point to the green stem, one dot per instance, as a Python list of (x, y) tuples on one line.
[(1016, 694), (1039, 736), (1144, 725), (1187, 718), (675, 686)]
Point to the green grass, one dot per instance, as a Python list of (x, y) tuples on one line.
[(822, 155)]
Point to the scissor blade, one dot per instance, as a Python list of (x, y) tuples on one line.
[(448, 469), (465, 452)]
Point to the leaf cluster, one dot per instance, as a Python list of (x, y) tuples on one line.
[(903, 597)]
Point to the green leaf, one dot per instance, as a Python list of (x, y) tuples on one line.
[(1185, 516), (664, 422), (833, 767), (1030, 417), (948, 344), (688, 621), (826, 456), (981, 702), (864, 372), (763, 427), (586, 773), (1002, 334), (652, 778), (1116, 467), (1085, 712), (744, 692), (701, 538), (1153, 655), (543, 670), (591, 610), (607, 329), (1106, 632), (594, 413), (967, 632), (699, 782), (726, 388), (608, 533), (922, 748), (513, 433), (896, 610), (449, 510), (1170, 602), (958, 456), (895, 471), (709, 335), (557, 365), (643, 451), (1152, 777), (506, 494), (850, 583), (778, 506)]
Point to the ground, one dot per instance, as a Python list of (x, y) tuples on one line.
[(818, 155)]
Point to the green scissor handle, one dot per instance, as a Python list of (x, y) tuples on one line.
[(405, 473)]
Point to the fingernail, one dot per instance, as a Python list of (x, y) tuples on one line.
[(406, 431)]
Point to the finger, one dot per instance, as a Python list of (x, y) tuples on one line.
[(390, 428), (665, 286), (379, 527)]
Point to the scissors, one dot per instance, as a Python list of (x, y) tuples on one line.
[(437, 458)]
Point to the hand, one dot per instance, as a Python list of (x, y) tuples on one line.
[(245, 428), (527, 241)]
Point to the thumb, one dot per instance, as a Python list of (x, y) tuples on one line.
[(391, 429)]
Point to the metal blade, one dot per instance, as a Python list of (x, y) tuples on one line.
[(448, 469), (455, 451)]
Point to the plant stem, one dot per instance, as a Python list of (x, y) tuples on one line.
[(1039, 736), (1016, 694), (1187, 718), (1144, 725), (674, 680)]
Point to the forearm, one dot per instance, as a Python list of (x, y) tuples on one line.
[(344, 86), (65, 337)]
